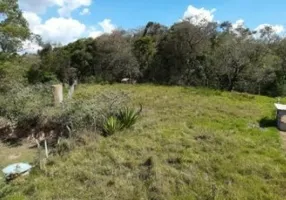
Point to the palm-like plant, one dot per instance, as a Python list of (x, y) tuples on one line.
[(128, 116), (125, 118), (111, 125)]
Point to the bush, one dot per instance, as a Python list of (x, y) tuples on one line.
[(64, 146), (30, 108), (21, 101), (12, 75), (93, 79), (37, 75)]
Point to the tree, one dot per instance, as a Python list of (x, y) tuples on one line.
[(116, 59), (191, 52), (13, 27), (83, 57), (279, 49), (144, 49), (154, 29), (268, 35), (232, 57), (180, 54), (226, 26)]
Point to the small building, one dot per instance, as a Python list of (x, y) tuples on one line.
[(281, 116)]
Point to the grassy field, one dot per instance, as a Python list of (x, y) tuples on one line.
[(188, 144)]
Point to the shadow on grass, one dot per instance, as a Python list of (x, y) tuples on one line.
[(267, 122), (11, 142)]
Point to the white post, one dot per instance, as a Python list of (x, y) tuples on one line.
[(46, 149), (71, 90), (58, 94)]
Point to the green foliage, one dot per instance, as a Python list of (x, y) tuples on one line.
[(212, 55), (123, 119), (31, 107), (12, 74), (144, 49), (21, 102), (180, 57), (116, 59), (14, 28), (64, 146), (37, 75), (112, 125), (128, 116)]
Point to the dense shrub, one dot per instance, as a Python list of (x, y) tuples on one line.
[(30, 109), (12, 74), (37, 75)]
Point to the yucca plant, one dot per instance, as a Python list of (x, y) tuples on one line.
[(111, 125), (128, 116)]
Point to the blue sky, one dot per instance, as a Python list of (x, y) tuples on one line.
[(63, 21), (130, 14)]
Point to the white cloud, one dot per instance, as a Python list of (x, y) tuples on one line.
[(65, 30), (37, 6), (33, 19), (61, 30), (278, 29), (85, 11), (94, 33), (65, 7), (56, 30), (199, 16), (238, 24), (107, 26)]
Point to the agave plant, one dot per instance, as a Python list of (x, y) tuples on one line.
[(111, 125), (128, 116)]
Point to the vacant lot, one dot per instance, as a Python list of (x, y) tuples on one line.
[(188, 144)]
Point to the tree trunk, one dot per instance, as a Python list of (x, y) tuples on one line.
[(230, 86)]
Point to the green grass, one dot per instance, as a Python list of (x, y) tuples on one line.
[(188, 144), (13, 154)]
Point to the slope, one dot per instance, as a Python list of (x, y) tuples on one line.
[(188, 144)]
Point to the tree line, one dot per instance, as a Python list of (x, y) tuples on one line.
[(209, 54)]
